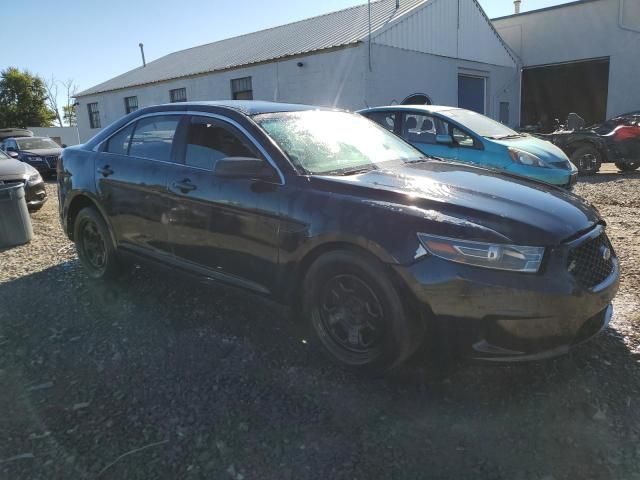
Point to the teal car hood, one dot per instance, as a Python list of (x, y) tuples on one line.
[(542, 149)]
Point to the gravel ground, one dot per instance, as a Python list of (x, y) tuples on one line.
[(163, 377)]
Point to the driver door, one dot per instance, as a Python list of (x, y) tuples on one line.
[(227, 228), (421, 130)]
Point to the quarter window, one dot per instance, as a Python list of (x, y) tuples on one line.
[(418, 128), (208, 141), (241, 89), (119, 143), (153, 137), (94, 115), (178, 95), (130, 104)]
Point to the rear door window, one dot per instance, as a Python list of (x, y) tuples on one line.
[(419, 128), (209, 141), (153, 137)]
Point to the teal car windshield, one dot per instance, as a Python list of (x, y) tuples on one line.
[(481, 125), (328, 142)]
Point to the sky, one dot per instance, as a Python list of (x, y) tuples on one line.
[(91, 41)]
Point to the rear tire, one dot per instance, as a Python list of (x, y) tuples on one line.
[(628, 166), (357, 314), (95, 248), (587, 160)]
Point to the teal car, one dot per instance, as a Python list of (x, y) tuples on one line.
[(466, 136)]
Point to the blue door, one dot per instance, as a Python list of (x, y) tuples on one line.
[(471, 93)]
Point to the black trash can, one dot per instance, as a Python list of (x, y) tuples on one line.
[(15, 222)]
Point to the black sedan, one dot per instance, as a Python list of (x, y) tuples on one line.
[(40, 152), (374, 244), (14, 171)]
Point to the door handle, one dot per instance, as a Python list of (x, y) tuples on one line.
[(105, 171), (184, 186)]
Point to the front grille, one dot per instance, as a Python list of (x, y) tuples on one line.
[(591, 262), (51, 161)]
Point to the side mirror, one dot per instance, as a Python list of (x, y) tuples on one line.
[(12, 153), (64, 145), (444, 139), (242, 167)]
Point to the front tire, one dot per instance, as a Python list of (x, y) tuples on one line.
[(95, 249), (587, 160), (628, 166), (357, 314)]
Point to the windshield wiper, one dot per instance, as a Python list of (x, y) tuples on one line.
[(503, 137), (421, 160), (350, 171)]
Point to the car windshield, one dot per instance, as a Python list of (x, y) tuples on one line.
[(330, 142), (36, 143), (481, 125)]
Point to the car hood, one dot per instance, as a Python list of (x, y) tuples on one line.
[(43, 152), (501, 206), (12, 168), (542, 149)]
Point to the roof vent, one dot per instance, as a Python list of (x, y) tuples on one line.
[(516, 5)]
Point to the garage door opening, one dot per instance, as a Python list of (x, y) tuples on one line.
[(553, 91)]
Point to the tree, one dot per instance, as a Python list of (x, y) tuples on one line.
[(52, 97), (69, 110), (69, 115), (23, 100)]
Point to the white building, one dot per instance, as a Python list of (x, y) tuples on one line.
[(581, 57), (445, 50)]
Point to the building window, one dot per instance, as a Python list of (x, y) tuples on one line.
[(130, 104), (94, 115), (241, 89), (178, 95)]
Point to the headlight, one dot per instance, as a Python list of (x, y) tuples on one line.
[(526, 158), (34, 178), (515, 258)]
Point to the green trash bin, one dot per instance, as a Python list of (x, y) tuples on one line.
[(15, 222)]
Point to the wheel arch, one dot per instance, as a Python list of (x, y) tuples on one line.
[(293, 289), (76, 204)]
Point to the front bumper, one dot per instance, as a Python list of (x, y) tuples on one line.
[(553, 176), (35, 195), (508, 316)]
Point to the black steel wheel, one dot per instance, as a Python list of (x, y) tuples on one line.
[(628, 166), (357, 314), (587, 160), (94, 246)]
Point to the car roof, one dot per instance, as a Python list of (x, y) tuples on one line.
[(254, 107), (424, 108)]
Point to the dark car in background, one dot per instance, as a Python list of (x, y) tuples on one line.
[(14, 171), (373, 243), (616, 140), (42, 153)]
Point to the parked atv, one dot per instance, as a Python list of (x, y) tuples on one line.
[(616, 140)]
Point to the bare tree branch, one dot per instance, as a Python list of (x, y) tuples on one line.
[(52, 97)]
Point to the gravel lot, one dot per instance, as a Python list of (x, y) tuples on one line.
[(163, 377)]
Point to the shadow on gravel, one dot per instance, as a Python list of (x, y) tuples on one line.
[(604, 177), (196, 381)]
